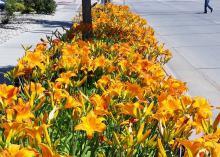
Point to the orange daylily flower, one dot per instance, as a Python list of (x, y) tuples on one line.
[(203, 107), (47, 151), (100, 103), (98, 62), (135, 90), (142, 65), (186, 101), (162, 96), (21, 69), (103, 81), (116, 88), (35, 132), (213, 137), (72, 102), (193, 147), (28, 62), (34, 59), (201, 147), (11, 129), (124, 64), (69, 50), (157, 71), (170, 105), (16, 151), (8, 94), (65, 77), (34, 91), (59, 94), (23, 111), (175, 87), (84, 53), (34, 88), (68, 62), (10, 114), (91, 123), (41, 47), (130, 108), (203, 112)]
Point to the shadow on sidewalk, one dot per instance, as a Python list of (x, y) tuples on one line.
[(4, 70), (51, 23), (7, 27), (47, 23), (63, 3)]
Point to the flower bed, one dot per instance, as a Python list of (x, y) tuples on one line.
[(108, 96)]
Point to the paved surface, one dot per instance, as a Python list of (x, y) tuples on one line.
[(193, 38), (21, 23), (12, 50)]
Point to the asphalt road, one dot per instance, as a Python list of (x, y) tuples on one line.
[(192, 37)]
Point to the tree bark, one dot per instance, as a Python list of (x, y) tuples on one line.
[(87, 19)]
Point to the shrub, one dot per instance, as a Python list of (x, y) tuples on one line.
[(29, 5), (19, 7), (9, 11), (45, 6), (5, 19), (41, 6), (10, 6)]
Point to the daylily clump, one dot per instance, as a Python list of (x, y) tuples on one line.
[(106, 96)]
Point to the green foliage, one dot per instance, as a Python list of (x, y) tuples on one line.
[(5, 19), (9, 10), (14, 5), (27, 6), (19, 7), (40, 6), (10, 7), (45, 6)]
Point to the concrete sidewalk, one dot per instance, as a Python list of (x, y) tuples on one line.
[(192, 37), (12, 50)]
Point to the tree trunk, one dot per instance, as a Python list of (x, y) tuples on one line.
[(87, 19)]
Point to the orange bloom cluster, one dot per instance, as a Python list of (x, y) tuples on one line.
[(108, 96)]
